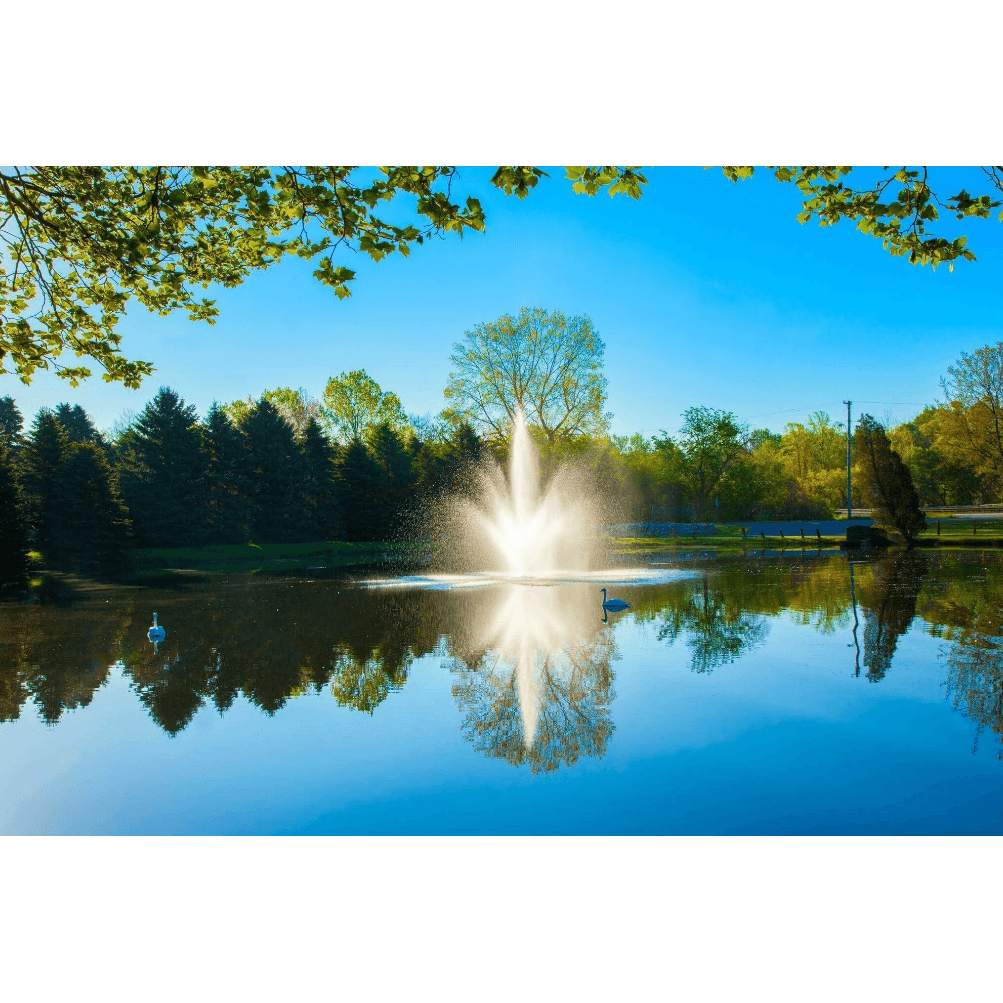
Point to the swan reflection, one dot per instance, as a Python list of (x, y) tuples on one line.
[(534, 679)]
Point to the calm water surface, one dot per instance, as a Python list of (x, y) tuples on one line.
[(794, 694)]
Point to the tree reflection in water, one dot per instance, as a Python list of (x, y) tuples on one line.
[(56, 656), (889, 603), (717, 630), (534, 677), (966, 612), (532, 665)]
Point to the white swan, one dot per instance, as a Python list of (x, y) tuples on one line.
[(156, 633), (613, 604)]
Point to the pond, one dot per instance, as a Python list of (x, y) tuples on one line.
[(801, 693)]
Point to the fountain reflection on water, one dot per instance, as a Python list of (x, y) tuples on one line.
[(534, 676)]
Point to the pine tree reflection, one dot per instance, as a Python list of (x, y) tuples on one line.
[(889, 603), (534, 676), (274, 642), (55, 656)]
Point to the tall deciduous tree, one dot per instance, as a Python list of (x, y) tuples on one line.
[(888, 485), (163, 473), (354, 404), (939, 469), (545, 364), (972, 421), (712, 443)]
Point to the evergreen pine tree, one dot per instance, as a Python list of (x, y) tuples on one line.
[(78, 426), (11, 423), (77, 423), (277, 476), (91, 533), (445, 467), (163, 473), (227, 480), (13, 525), (321, 485), (395, 480), (41, 458), (888, 485), (359, 482)]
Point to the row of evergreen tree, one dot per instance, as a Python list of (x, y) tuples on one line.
[(171, 480)]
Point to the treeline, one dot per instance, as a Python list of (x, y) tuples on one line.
[(801, 472), (953, 452), (169, 479)]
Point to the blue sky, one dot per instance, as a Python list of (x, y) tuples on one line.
[(705, 293)]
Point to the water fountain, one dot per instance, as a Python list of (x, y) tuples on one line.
[(535, 529), (519, 537)]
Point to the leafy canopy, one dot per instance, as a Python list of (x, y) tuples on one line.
[(898, 209), (545, 364), (354, 404), (78, 243)]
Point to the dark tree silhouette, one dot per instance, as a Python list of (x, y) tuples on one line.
[(276, 476), (320, 488), (888, 485), (11, 423), (77, 424), (13, 525), (889, 608), (446, 467), (163, 473), (42, 457), (230, 510), (359, 485), (394, 478), (91, 532)]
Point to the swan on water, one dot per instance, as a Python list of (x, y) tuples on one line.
[(613, 604), (156, 633)]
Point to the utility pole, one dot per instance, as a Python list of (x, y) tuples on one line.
[(849, 482)]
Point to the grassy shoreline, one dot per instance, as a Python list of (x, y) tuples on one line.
[(252, 558), (728, 539), (326, 557)]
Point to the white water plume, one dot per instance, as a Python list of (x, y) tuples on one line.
[(533, 528)]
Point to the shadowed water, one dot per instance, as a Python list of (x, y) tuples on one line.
[(739, 695)]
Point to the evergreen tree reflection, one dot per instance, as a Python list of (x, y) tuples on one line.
[(56, 657), (889, 604)]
